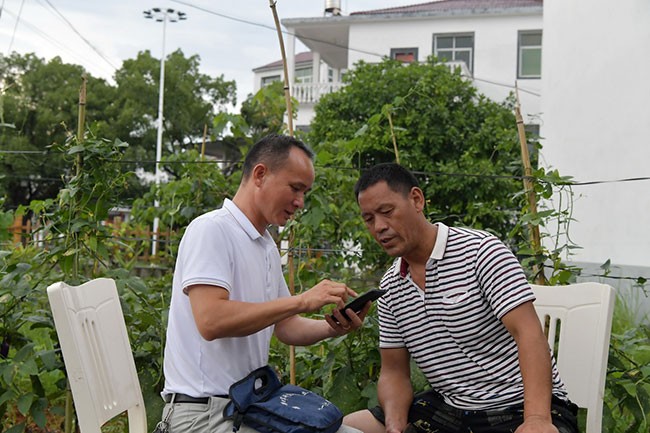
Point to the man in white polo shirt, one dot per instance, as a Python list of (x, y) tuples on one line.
[(229, 294), (459, 304)]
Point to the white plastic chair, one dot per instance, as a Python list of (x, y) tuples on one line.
[(97, 354), (582, 313)]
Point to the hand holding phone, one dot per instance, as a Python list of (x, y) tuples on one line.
[(359, 302)]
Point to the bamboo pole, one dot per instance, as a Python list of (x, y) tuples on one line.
[(529, 187), (81, 125), (287, 99), (287, 88)]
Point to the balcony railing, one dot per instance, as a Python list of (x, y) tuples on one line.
[(310, 93)]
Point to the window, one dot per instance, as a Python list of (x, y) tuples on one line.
[(406, 55), (529, 60), (455, 47), (303, 75), (268, 80)]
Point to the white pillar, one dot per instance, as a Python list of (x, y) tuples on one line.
[(315, 67)]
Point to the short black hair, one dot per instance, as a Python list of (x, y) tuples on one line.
[(272, 150), (398, 178)]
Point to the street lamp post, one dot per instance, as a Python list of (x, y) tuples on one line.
[(161, 15)]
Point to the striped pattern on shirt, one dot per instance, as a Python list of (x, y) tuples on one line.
[(453, 329)]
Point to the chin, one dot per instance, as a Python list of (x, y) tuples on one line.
[(393, 251)]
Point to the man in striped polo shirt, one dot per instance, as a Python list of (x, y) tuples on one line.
[(458, 302)]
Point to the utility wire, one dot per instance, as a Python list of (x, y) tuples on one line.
[(421, 173), (20, 12), (333, 44), (95, 49), (306, 251), (51, 40)]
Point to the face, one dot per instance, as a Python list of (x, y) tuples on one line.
[(281, 192), (394, 220)]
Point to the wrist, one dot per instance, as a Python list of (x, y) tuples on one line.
[(300, 304), (536, 417)]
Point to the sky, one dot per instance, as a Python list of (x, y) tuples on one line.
[(100, 34)]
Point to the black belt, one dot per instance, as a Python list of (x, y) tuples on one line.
[(183, 398)]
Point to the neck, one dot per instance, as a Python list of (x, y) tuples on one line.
[(244, 203), (421, 254)]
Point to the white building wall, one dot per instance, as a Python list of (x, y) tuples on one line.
[(596, 121), (495, 49)]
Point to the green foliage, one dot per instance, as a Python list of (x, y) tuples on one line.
[(38, 105), (553, 219), (196, 186), (6, 221), (30, 371), (463, 146), (264, 111), (191, 100), (627, 392), (40, 100)]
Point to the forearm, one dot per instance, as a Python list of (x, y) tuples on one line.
[(301, 331), (226, 318), (535, 364), (395, 394)]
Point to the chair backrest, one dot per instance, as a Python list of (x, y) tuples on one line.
[(578, 321), (97, 354)]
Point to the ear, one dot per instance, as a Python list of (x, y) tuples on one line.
[(258, 174), (417, 198)]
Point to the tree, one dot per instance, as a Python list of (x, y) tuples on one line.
[(191, 100), (38, 101), (39, 106), (462, 145)]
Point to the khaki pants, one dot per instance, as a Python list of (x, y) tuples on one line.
[(208, 418)]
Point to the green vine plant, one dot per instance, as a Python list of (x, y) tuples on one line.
[(554, 217), (74, 244)]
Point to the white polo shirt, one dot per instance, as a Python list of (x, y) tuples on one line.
[(220, 248)]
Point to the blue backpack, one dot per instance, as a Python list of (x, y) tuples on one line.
[(261, 402)]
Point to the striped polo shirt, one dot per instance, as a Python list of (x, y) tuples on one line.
[(452, 329)]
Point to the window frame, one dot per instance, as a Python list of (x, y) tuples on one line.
[(395, 51), (268, 79), (306, 75), (520, 50), (455, 35)]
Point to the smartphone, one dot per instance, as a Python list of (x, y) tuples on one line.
[(360, 301)]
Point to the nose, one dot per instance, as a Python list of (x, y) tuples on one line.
[(380, 224), (299, 200)]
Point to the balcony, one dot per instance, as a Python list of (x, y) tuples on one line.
[(310, 93)]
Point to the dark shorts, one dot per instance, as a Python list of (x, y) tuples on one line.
[(430, 414)]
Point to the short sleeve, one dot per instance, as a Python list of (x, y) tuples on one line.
[(501, 277), (205, 255)]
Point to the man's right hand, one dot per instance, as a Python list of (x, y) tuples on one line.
[(324, 293)]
